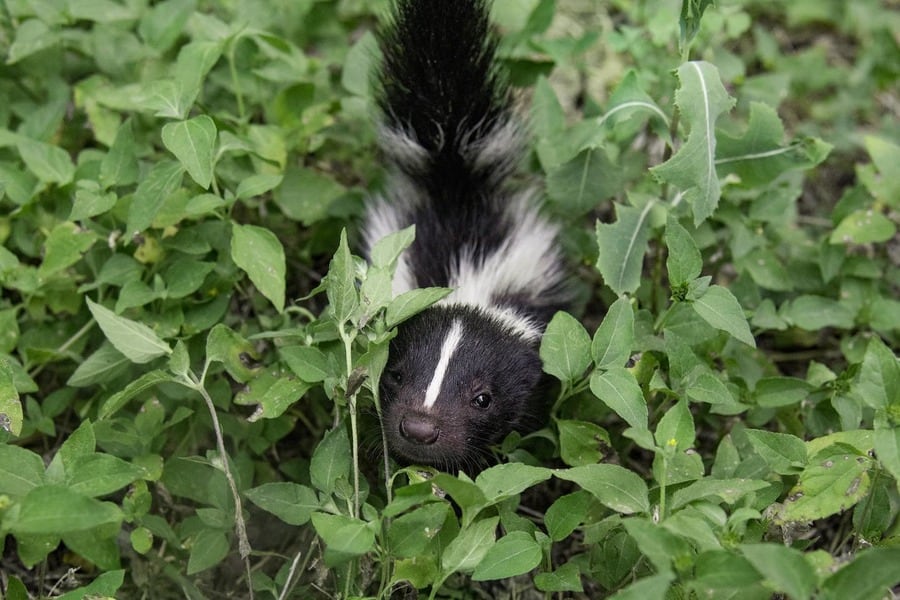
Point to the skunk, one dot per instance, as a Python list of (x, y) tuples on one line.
[(464, 373)]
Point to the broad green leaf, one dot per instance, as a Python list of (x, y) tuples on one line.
[(887, 444), (305, 195), (64, 247), (504, 481), (817, 312), (21, 470), (413, 302), (700, 98), (120, 165), (611, 346), (291, 502), (209, 548), (566, 513), (259, 253), (728, 491), (833, 480), (467, 495), (194, 62), (676, 428), (661, 547), (410, 534), (236, 353), (152, 192), (706, 387), (864, 226), (273, 391), (547, 116), (689, 20), (622, 246), (718, 307), (90, 203), (104, 586), (886, 157), (514, 554), (566, 578), (307, 362), (135, 340), (344, 536), (582, 442), (774, 392), (878, 382), (32, 36), (785, 569), (565, 348), (341, 282), (100, 474), (331, 460), (50, 164), (164, 22), (614, 486), (653, 587), (629, 100), (867, 577), (57, 510), (784, 453), (619, 390), (143, 383), (759, 156), (388, 249), (579, 185), (193, 144), (468, 548), (11, 417), (358, 64), (257, 185), (720, 570), (683, 262)]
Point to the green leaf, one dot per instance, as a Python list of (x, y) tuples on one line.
[(388, 249), (307, 362), (676, 428), (886, 156), (785, 454), (689, 20), (151, 194), (291, 502), (331, 460), (865, 578), (235, 352), (622, 246), (683, 262), (759, 156), (833, 480), (611, 346), (208, 548), (164, 22), (193, 144), (100, 474), (413, 302), (660, 546), (566, 578), (358, 65), (57, 510), (89, 203), (341, 282), (785, 569), (565, 348), (306, 195), (51, 164), (21, 470), (410, 535), (774, 392), (257, 185), (653, 587), (135, 340), (273, 392), (143, 383), (504, 481), (579, 185), (32, 36), (700, 98), (817, 312), (11, 417), (581, 442), (877, 383), (614, 486), (865, 226), (259, 253), (64, 247), (120, 165), (619, 390), (345, 536), (468, 548), (566, 513), (718, 307), (728, 491), (104, 586), (514, 554)]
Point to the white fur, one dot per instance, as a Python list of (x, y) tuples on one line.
[(526, 263), (386, 217), (448, 348), (496, 150), (402, 147)]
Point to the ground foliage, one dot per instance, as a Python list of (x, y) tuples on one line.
[(190, 350)]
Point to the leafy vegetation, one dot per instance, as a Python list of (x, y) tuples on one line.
[(189, 350)]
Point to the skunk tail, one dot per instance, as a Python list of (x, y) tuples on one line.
[(445, 109)]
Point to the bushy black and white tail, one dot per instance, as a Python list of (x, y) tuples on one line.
[(452, 143)]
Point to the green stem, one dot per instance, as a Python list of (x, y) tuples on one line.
[(351, 404), (235, 81), (662, 488), (65, 347)]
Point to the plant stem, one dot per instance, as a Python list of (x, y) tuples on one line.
[(351, 404)]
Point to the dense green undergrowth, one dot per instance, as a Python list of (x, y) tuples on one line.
[(189, 349)]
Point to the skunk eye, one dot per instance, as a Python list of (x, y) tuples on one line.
[(481, 401)]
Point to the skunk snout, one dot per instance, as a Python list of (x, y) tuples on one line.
[(419, 429)]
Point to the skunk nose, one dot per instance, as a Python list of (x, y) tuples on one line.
[(420, 430)]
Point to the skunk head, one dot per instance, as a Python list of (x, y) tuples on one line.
[(458, 380)]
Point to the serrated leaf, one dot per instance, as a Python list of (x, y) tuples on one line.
[(701, 98), (683, 262), (307, 362), (622, 246), (305, 195), (614, 486), (565, 348), (611, 346), (193, 144), (259, 254), (291, 502), (718, 307), (877, 383), (579, 185), (357, 71), (135, 340), (514, 554), (619, 390)]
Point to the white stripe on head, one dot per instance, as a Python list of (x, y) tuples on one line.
[(448, 348)]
